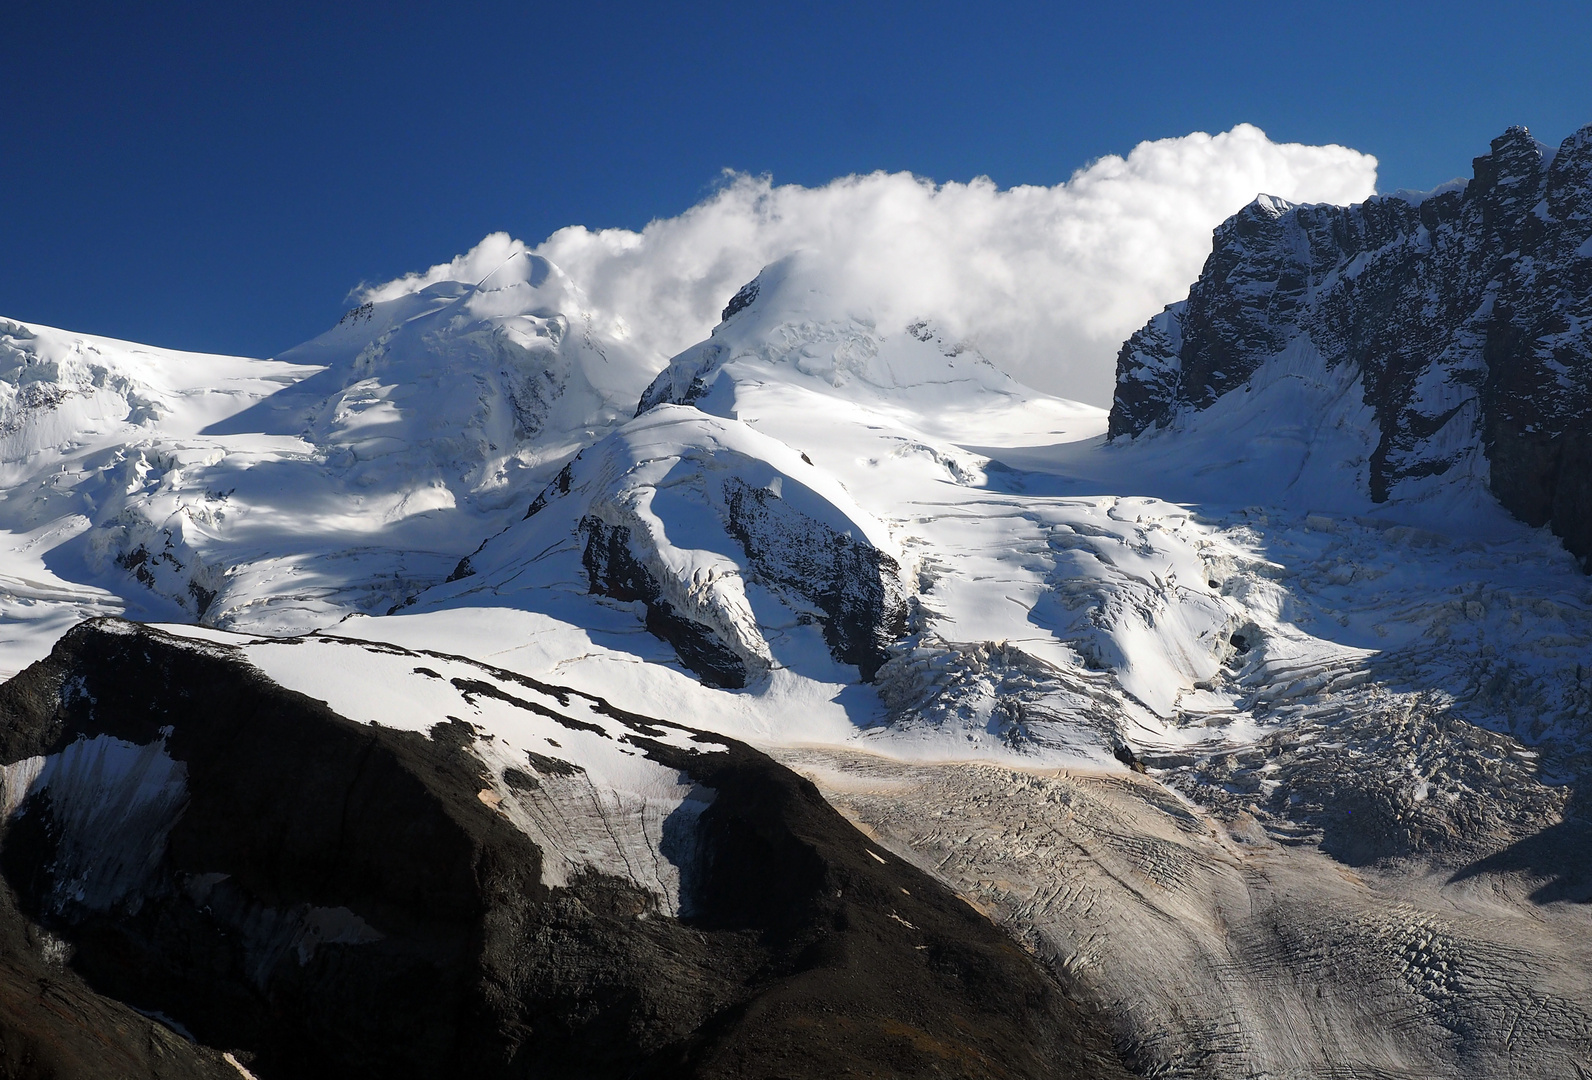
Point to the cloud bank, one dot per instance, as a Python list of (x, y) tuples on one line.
[(1047, 281)]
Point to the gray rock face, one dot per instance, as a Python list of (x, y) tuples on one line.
[(844, 584), (683, 382), (1467, 315)]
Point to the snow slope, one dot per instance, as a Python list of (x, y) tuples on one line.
[(282, 494)]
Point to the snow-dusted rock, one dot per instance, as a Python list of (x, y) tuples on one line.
[(1465, 314), (723, 535)]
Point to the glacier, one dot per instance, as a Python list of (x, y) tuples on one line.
[(1282, 771)]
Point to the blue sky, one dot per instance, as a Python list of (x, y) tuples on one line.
[(219, 176)]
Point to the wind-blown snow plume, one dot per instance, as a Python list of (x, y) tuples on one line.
[(1047, 280)]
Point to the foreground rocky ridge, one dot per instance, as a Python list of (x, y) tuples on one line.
[(320, 897), (1465, 314)]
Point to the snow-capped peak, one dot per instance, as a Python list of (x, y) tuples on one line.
[(795, 322), (472, 383)]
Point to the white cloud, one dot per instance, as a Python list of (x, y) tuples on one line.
[(1047, 280)]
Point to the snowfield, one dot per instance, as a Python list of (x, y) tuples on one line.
[(941, 594)]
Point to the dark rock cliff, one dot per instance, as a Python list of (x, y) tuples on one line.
[(325, 898), (852, 584), (613, 570), (1467, 314)]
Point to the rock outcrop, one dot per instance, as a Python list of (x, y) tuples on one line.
[(1466, 313)]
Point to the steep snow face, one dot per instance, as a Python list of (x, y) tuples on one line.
[(788, 325)]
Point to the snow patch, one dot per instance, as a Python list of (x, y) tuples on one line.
[(112, 803)]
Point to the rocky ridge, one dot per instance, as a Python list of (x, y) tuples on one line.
[(1465, 314), (320, 897)]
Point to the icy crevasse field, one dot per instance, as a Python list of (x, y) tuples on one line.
[(1362, 724)]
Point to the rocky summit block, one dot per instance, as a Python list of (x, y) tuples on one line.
[(1466, 313), (186, 840)]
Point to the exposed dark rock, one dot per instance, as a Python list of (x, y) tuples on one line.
[(137, 561), (54, 1027), (742, 300), (613, 571), (1468, 316), (558, 486), (685, 380), (550, 766), (163, 573), (1124, 753), (355, 315), (202, 598), (437, 950), (847, 579)]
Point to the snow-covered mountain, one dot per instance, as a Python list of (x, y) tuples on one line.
[(1258, 711), (346, 475)]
